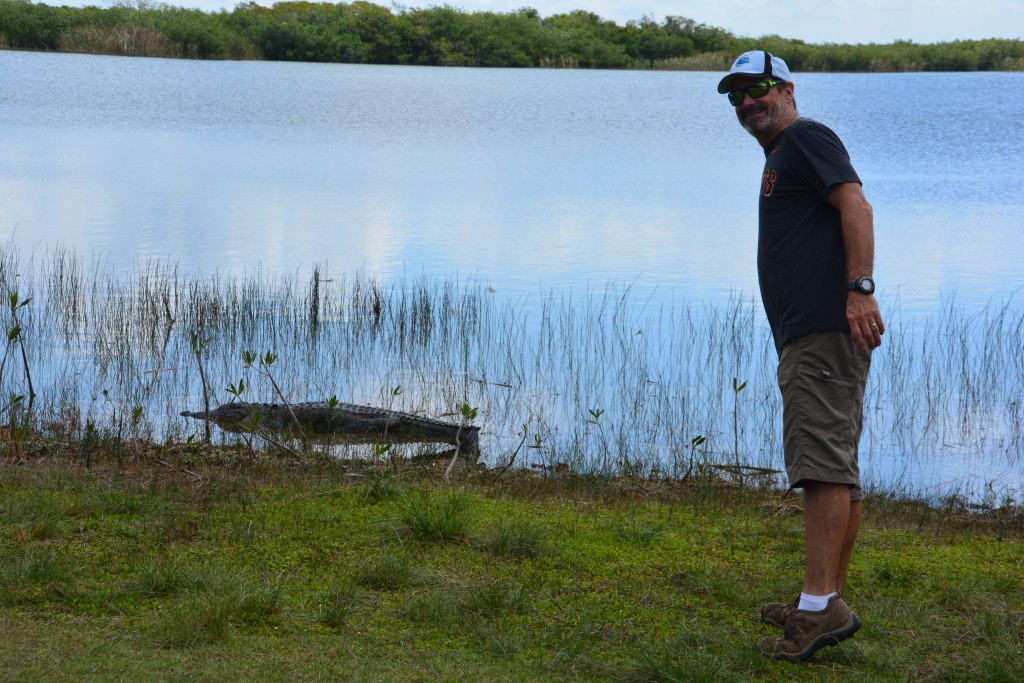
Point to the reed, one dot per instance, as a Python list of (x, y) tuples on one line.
[(597, 382)]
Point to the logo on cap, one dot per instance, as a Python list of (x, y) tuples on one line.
[(743, 60)]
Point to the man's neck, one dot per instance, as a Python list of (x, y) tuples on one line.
[(766, 138)]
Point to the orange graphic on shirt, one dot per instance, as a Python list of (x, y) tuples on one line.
[(768, 183)]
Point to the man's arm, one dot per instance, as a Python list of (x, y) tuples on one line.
[(862, 310)]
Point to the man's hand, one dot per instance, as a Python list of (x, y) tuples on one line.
[(865, 320)]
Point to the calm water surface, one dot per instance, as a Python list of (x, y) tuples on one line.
[(520, 177), (525, 180)]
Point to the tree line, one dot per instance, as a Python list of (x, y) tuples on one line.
[(364, 33)]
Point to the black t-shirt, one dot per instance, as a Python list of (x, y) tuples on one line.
[(801, 261)]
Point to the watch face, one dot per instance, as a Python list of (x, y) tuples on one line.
[(864, 285)]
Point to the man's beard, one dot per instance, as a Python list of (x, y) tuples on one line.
[(762, 116)]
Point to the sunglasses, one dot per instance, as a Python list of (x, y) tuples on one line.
[(756, 91)]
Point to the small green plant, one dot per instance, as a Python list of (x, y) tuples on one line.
[(388, 572), (576, 645), (499, 639), (256, 603), (33, 574), (435, 607), (116, 502), (633, 469), (595, 420), (381, 450), (39, 529), (695, 443), (211, 600), (198, 620), (236, 390), (494, 598), (263, 364), (467, 414), (440, 517), (35, 520), (17, 424), (683, 658), (254, 424), (17, 429), (337, 605), (15, 336), (163, 577), (116, 426), (736, 389), (383, 488), (90, 441), (517, 538), (639, 532), (1001, 630), (198, 346)]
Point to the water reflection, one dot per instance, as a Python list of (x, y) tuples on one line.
[(525, 181)]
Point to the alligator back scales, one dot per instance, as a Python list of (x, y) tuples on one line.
[(345, 421)]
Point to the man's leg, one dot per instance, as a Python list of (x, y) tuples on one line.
[(822, 378), (852, 528), (777, 613), (830, 530)]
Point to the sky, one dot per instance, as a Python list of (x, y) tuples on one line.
[(815, 21)]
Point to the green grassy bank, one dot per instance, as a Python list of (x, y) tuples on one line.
[(366, 33), (188, 563)]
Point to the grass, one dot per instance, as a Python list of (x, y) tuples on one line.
[(209, 601), (32, 575), (442, 517), (618, 530), (337, 605), (200, 620), (389, 571), (295, 573), (640, 532), (516, 538), (162, 577)]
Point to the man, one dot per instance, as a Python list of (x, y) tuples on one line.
[(815, 256)]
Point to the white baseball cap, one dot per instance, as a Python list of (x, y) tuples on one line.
[(758, 64)]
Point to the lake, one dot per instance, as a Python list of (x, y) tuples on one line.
[(526, 181)]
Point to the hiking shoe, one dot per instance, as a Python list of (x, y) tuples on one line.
[(807, 632), (777, 613)]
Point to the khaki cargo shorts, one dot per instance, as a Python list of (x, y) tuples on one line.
[(822, 378)]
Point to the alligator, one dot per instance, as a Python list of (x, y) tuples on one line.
[(343, 422)]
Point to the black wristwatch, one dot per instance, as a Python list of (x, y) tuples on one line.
[(862, 285)]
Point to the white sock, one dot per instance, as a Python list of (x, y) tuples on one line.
[(815, 603)]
